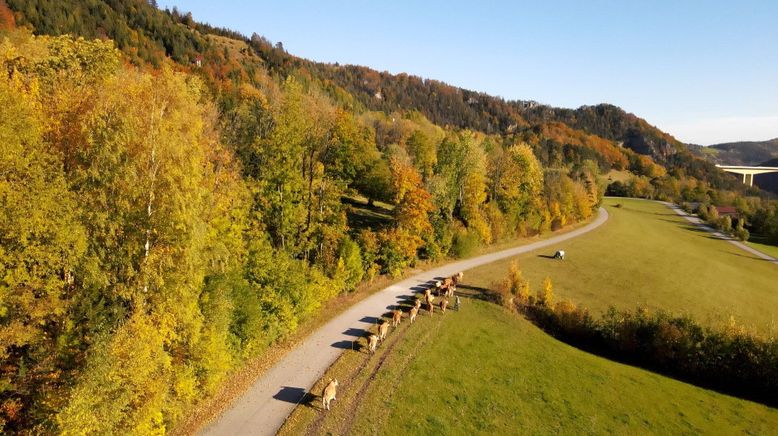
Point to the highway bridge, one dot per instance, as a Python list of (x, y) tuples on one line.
[(748, 173)]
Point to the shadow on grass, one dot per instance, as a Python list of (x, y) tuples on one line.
[(746, 256), (546, 256), (475, 292)]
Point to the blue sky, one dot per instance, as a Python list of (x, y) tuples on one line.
[(705, 71)]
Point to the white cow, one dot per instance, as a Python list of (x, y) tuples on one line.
[(560, 255)]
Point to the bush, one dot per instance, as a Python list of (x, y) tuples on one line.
[(741, 232), (724, 224), (368, 242), (465, 244), (353, 269)]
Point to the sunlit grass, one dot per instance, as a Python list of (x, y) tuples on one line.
[(647, 255)]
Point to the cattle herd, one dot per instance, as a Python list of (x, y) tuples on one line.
[(444, 290)]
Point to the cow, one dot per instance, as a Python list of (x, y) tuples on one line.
[(431, 307), (413, 312), (456, 278), (428, 296), (397, 316), (443, 305), (383, 328), (329, 394), (560, 255), (372, 342)]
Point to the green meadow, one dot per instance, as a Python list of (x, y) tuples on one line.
[(647, 255)]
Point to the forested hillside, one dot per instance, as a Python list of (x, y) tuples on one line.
[(744, 153), (176, 198)]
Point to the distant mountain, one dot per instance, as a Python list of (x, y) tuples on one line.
[(744, 152)]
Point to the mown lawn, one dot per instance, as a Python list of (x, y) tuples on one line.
[(647, 255), (484, 370)]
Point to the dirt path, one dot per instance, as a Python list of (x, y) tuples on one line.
[(264, 407), (696, 221)]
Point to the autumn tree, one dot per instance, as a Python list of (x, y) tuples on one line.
[(517, 182), (41, 244)]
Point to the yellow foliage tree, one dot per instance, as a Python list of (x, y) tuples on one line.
[(546, 295)]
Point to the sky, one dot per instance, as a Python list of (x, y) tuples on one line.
[(704, 71)]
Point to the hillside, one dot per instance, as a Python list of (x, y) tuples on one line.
[(745, 152), (148, 35)]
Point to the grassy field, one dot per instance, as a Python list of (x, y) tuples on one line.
[(646, 254), (486, 370)]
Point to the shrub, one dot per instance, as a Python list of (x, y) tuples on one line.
[(741, 232), (368, 241), (546, 295), (353, 269), (465, 244), (724, 224)]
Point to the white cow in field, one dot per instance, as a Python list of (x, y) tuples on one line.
[(560, 255)]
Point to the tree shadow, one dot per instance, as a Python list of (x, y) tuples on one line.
[(476, 292)]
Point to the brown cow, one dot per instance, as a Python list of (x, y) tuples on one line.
[(417, 304), (372, 342), (443, 305), (456, 278), (329, 394), (414, 311), (397, 316), (430, 307), (383, 328)]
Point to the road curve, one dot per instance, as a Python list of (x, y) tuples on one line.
[(263, 409), (700, 223)]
